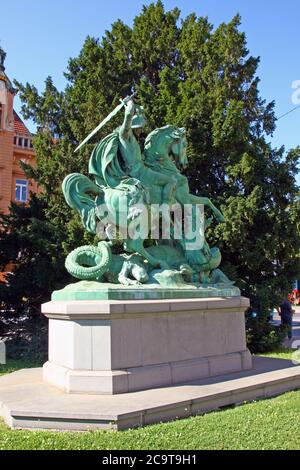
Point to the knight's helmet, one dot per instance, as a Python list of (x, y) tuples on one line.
[(138, 119)]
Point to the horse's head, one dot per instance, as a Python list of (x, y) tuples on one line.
[(165, 142), (178, 147)]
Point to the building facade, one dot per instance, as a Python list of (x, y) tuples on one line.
[(15, 146)]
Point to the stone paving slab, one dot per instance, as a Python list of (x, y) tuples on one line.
[(27, 402)]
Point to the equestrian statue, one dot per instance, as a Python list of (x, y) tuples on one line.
[(151, 229)]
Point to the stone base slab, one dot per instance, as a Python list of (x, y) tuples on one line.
[(110, 347), (92, 290), (143, 378), (26, 402)]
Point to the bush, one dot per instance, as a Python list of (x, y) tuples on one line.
[(262, 336), (26, 338)]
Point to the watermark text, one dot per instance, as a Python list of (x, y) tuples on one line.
[(296, 93)]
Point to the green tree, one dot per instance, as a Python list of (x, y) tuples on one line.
[(186, 73)]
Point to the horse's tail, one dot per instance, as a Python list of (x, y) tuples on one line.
[(89, 263), (77, 190)]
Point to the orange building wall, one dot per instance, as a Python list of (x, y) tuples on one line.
[(10, 169), (17, 173), (11, 153), (6, 168)]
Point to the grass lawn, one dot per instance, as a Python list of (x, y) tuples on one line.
[(266, 424), (281, 353)]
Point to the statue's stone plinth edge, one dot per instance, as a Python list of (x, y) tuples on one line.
[(105, 309), (89, 290)]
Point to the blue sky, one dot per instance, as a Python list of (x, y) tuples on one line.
[(42, 35)]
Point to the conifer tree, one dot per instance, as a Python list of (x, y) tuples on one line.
[(187, 73)]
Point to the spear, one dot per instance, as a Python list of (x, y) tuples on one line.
[(107, 119)]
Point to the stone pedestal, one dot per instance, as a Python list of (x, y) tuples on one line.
[(112, 347)]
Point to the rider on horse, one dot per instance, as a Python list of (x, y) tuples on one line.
[(119, 155)]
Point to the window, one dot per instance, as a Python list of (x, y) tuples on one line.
[(20, 142), (25, 142), (21, 190), (15, 141)]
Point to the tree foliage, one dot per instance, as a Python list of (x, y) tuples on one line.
[(188, 73)]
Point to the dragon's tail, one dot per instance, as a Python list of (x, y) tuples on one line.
[(89, 262)]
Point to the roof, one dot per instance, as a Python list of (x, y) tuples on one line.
[(19, 126)]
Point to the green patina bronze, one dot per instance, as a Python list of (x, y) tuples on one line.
[(129, 186)]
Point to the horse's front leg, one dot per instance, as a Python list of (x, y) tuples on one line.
[(207, 202)]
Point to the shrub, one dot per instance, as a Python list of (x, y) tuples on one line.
[(262, 336), (26, 338)]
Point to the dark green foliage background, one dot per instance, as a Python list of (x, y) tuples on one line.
[(186, 72)]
